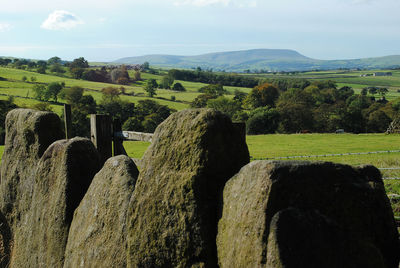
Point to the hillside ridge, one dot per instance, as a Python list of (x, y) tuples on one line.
[(261, 59)]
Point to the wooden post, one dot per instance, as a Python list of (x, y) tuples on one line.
[(118, 142), (67, 120), (101, 134)]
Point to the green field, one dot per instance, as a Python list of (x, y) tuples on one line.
[(349, 78), (22, 91)]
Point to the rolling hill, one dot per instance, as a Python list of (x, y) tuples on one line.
[(265, 59)]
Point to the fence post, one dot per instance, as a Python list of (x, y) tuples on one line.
[(67, 120), (101, 134), (118, 142)]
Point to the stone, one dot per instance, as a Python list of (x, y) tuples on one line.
[(176, 204), (63, 176), (5, 241), (302, 214), (97, 236), (28, 135)]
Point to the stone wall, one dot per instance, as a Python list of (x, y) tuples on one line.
[(195, 203)]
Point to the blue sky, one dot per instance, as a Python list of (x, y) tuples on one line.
[(105, 30)]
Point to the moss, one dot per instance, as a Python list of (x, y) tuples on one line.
[(175, 206)]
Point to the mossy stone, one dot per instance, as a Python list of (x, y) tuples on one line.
[(176, 204), (318, 199), (97, 236)]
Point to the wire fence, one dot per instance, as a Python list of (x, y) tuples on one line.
[(325, 155), (343, 154)]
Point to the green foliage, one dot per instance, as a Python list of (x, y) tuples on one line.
[(120, 75), (57, 68), (39, 91), (53, 89), (110, 93), (72, 95), (295, 109), (212, 78), (147, 115), (262, 95), (166, 82), (54, 60), (213, 90), (263, 120), (201, 100), (225, 105), (150, 87), (178, 87)]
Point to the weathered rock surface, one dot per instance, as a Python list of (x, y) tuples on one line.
[(28, 134), (63, 176), (5, 239), (299, 214), (175, 205), (97, 237)]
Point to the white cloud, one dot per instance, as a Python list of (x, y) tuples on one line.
[(5, 27), (61, 20), (202, 3)]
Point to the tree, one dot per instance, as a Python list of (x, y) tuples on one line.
[(263, 120), (178, 87), (110, 93), (382, 91), (79, 63), (295, 109), (239, 96), (72, 95), (145, 66), (213, 89), (53, 89), (201, 100), (77, 73), (150, 87), (57, 68), (78, 66), (262, 95), (39, 91), (225, 105), (41, 69), (166, 81), (138, 76), (120, 75), (54, 60)]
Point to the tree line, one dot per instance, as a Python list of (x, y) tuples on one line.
[(209, 77), (298, 105)]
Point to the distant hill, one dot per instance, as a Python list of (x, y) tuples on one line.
[(265, 59)]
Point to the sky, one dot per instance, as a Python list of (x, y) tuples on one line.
[(106, 30)]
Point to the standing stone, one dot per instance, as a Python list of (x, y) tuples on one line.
[(176, 204), (97, 237), (300, 214), (5, 239), (63, 176), (28, 135)]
